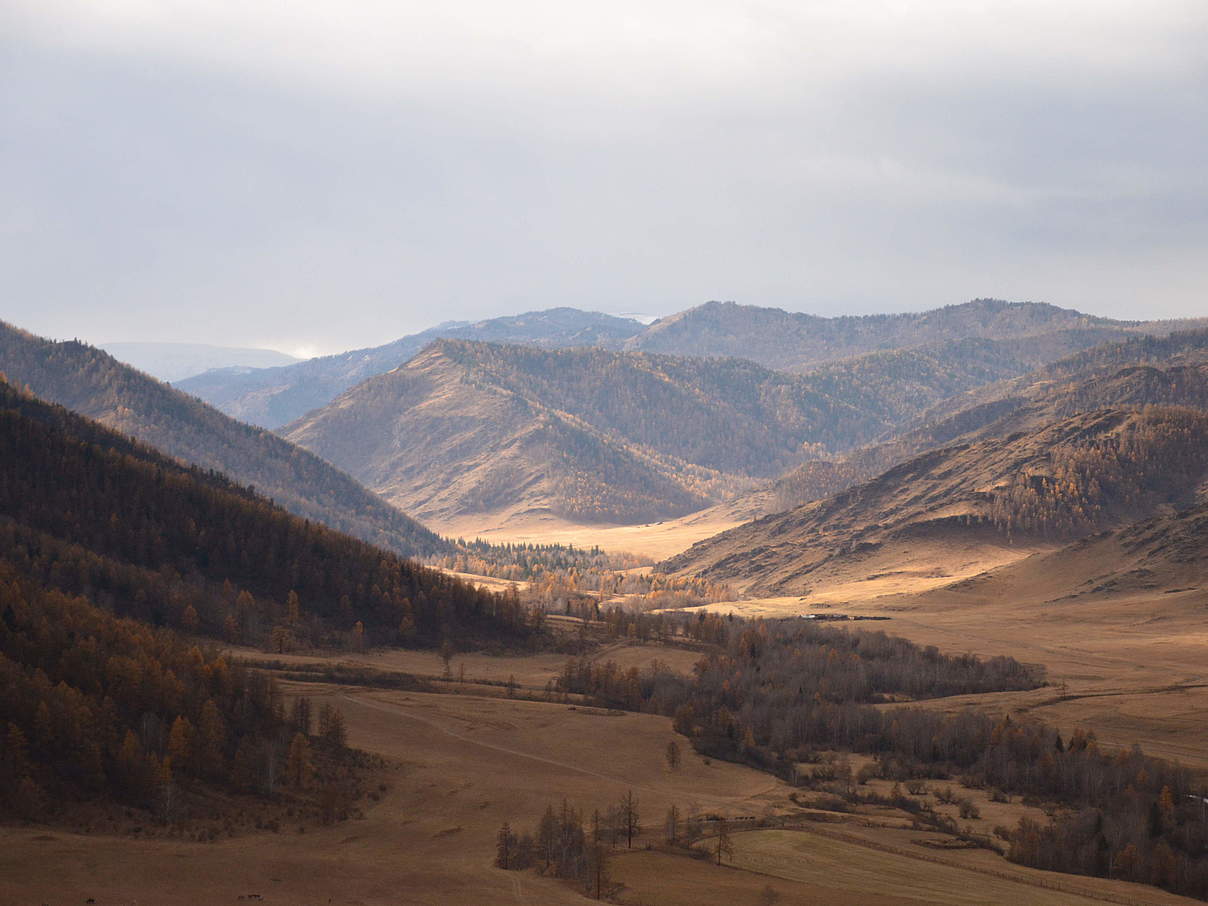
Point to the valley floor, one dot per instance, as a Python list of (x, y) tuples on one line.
[(463, 764), (656, 540)]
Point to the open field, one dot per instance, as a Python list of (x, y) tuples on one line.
[(465, 764), (530, 671), (488, 582), (969, 877), (656, 540)]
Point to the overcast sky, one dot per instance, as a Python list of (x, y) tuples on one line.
[(319, 175)]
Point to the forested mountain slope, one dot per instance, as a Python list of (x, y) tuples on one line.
[(1144, 370), (593, 434), (1069, 477), (107, 551), (87, 511), (794, 341), (271, 397), (95, 384), (101, 708)]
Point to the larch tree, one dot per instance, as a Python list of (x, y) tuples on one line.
[(725, 846), (630, 819), (673, 755)]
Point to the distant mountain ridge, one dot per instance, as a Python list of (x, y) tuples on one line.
[(274, 397), (176, 361), (94, 384), (776, 339), (795, 341)]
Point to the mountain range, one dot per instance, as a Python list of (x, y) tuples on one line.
[(796, 341), (468, 430), (776, 339), (598, 435)]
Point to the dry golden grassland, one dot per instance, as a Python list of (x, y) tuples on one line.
[(463, 764), (657, 540)]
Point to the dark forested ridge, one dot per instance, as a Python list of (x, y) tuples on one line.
[(272, 397), (95, 384), (1069, 477), (87, 512)]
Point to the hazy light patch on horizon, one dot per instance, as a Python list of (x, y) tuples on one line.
[(337, 175)]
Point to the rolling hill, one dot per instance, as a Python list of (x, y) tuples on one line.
[(1029, 490), (272, 397), (596, 435), (93, 383), (1163, 554)]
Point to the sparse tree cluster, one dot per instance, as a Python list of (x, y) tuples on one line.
[(560, 847)]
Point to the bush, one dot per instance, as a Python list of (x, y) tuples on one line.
[(866, 773)]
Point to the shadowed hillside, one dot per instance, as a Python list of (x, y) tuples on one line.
[(95, 384), (87, 511), (107, 550)]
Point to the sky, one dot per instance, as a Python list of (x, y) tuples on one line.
[(314, 176)]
